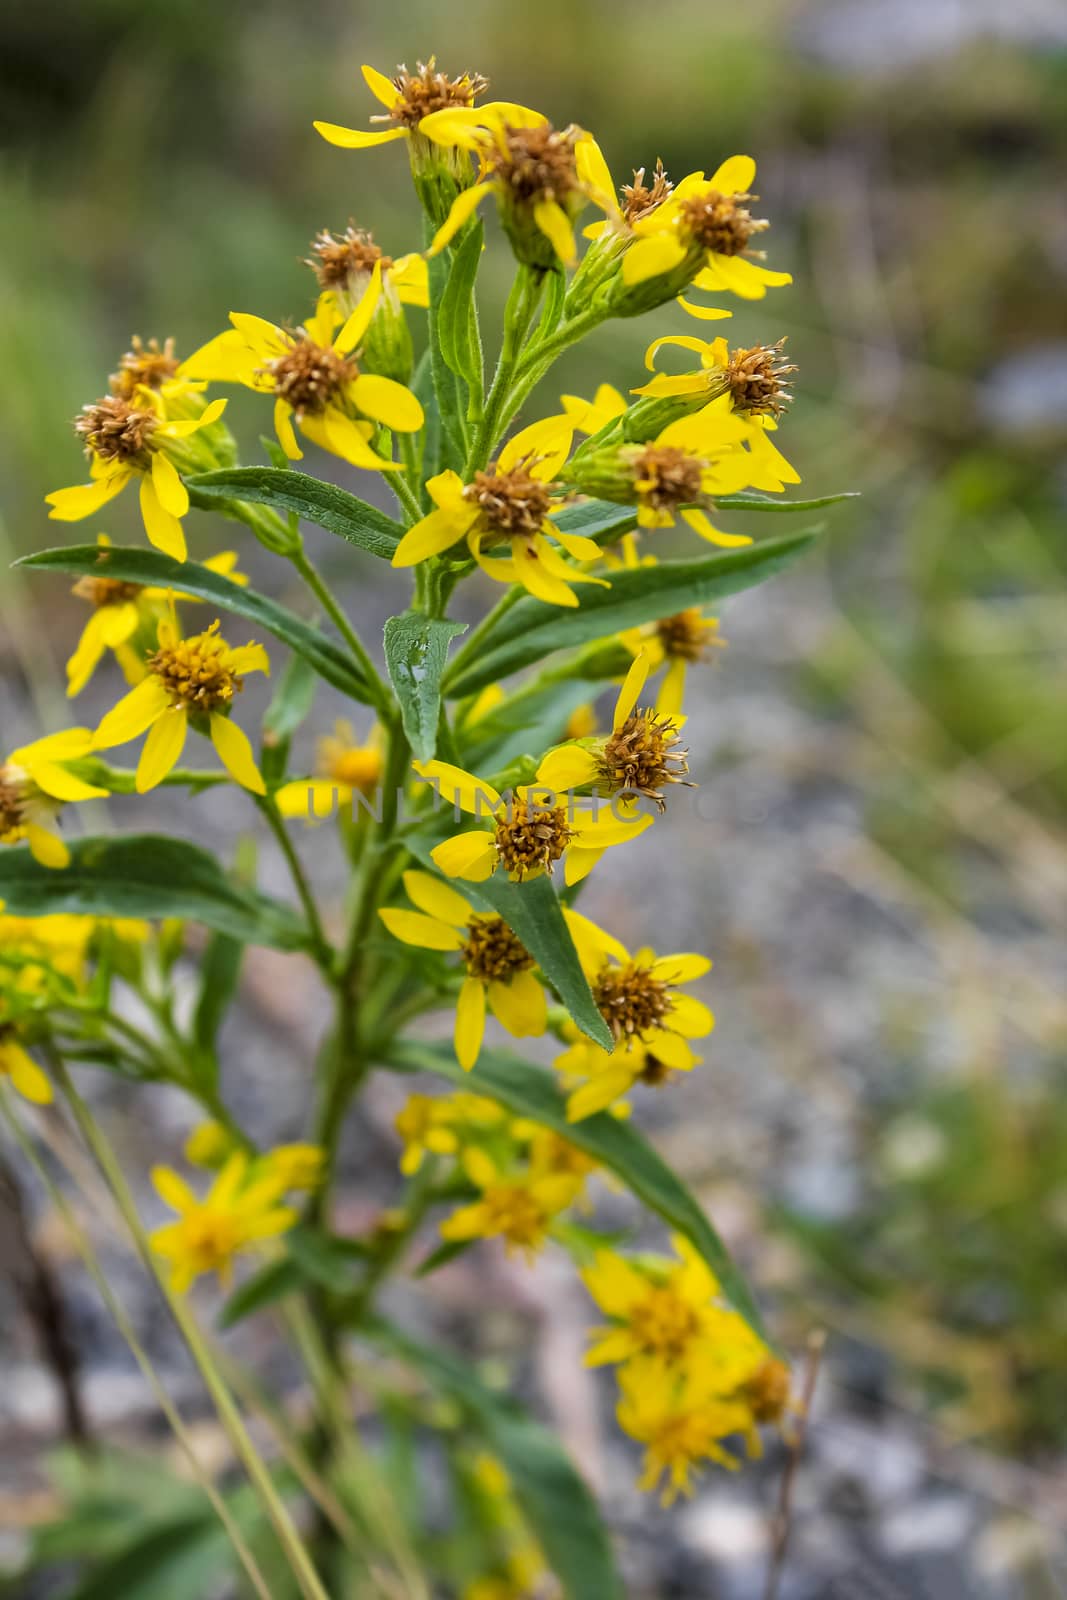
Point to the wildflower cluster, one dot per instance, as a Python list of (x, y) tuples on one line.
[(473, 792)]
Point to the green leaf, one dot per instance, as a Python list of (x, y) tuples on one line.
[(416, 650), (182, 1560), (554, 1498), (132, 565), (449, 410), (148, 875), (323, 1258), (457, 326), (270, 1284), (220, 969), (316, 501), (751, 500), (532, 629), (601, 520), (533, 913), (290, 704), (531, 1091)]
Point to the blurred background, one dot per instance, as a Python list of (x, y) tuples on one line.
[(876, 855)]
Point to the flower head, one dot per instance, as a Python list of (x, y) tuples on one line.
[(238, 1212), (345, 767), (409, 98), (518, 1207), (440, 1125), (641, 755), (315, 378), (122, 612), (531, 829), (508, 506), (195, 678), (650, 1019), (499, 969), (681, 1418), (35, 784)]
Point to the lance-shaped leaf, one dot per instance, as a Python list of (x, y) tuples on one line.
[(150, 876), (131, 565), (554, 1498), (314, 500), (416, 650), (532, 629), (533, 913), (457, 321), (752, 500), (532, 1092), (601, 520)]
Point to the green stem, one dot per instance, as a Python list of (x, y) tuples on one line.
[(406, 496), (322, 593), (275, 821), (474, 642), (519, 313), (303, 1570), (128, 1332)]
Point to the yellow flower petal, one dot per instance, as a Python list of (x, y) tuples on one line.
[(437, 899), (163, 529), (283, 427), (460, 788), (437, 531), (690, 1017), (235, 752), (630, 692), (173, 1190), (698, 520), (355, 138), (134, 713), (426, 932), (648, 258), (555, 224), (569, 767), (162, 748), (680, 968), (463, 207), (171, 492), (63, 785), (71, 505), (470, 1022), (594, 171), (736, 176), (26, 1076), (672, 689), (471, 856), (46, 847), (520, 1006), (359, 320), (578, 863), (531, 571), (381, 87), (387, 402)]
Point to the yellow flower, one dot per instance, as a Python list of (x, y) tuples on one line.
[(236, 1214), (439, 1125), (531, 829), (667, 1312), (119, 611), (680, 1418), (519, 1208), (750, 383), (650, 1020), (209, 1145), (410, 100), (315, 378), (35, 784), (678, 642), (539, 175), (344, 267), (344, 768), (508, 504), (294, 1166), (581, 722), (640, 755), (187, 678), (135, 437), (35, 949), (705, 226), (499, 967)]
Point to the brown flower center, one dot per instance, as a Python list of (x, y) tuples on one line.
[(663, 1324), (106, 591), (144, 366), (492, 951), (537, 163), (512, 1212), (643, 755), (767, 1391), (309, 375), (631, 1000), (640, 197), (668, 477), (352, 256), (530, 837), (12, 806), (115, 430), (720, 222), (425, 90), (686, 635), (759, 379), (512, 502), (196, 673)]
